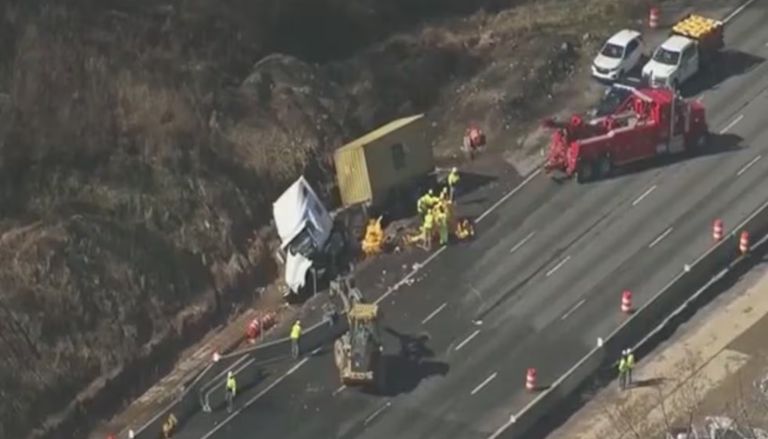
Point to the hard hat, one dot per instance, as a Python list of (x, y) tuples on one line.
[(229, 374), (430, 192), (454, 169)]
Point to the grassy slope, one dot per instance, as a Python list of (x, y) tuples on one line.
[(143, 147)]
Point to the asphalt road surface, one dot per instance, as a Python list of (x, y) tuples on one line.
[(537, 287)]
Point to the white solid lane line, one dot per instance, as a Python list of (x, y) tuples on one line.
[(506, 197), (434, 313), (748, 165), (573, 309), (339, 390), (732, 124), (259, 395), (467, 340), (643, 195), (522, 242), (557, 267), (439, 251), (484, 383), (737, 11), (377, 413), (660, 237), (408, 276)]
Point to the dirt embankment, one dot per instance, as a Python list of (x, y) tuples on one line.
[(142, 143)]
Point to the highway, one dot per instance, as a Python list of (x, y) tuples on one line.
[(537, 287)]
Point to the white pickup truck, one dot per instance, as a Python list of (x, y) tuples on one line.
[(693, 42)]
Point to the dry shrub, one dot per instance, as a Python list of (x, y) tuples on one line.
[(62, 97), (158, 116)]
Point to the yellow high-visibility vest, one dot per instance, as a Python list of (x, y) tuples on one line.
[(429, 221), (296, 331), (453, 178), (231, 384)]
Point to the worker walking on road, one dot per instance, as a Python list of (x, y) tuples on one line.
[(453, 180), (295, 336), (630, 365), (623, 372), (231, 389)]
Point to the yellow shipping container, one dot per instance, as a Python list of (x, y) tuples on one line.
[(390, 157)]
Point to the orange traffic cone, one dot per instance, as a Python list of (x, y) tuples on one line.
[(530, 380), (626, 302), (717, 230), (744, 242), (253, 330), (653, 18)]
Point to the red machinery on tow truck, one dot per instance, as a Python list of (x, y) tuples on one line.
[(639, 128)]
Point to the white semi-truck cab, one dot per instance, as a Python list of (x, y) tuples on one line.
[(311, 241)]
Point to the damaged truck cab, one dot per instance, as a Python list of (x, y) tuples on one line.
[(311, 242)]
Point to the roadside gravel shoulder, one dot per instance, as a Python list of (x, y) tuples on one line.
[(711, 367)]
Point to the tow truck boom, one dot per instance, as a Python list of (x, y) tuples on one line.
[(650, 122)]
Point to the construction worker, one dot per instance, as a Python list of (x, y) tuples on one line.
[(231, 389), (630, 365), (453, 180), (623, 371), (427, 228), (432, 199), (464, 229), (441, 218), (295, 336), (422, 206), (169, 426), (444, 195)]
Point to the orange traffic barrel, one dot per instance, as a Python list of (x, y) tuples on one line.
[(718, 230), (653, 17), (626, 302), (744, 242), (530, 380)]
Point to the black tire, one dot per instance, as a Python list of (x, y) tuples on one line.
[(604, 167), (585, 172)]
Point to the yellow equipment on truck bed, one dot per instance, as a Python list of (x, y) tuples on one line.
[(707, 31)]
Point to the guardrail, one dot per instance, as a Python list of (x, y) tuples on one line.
[(206, 389), (676, 295)]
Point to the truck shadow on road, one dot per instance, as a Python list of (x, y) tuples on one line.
[(728, 63), (409, 365), (717, 144)]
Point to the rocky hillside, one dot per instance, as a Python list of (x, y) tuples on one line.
[(142, 143)]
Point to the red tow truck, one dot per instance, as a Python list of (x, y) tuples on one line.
[(640, 128)]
